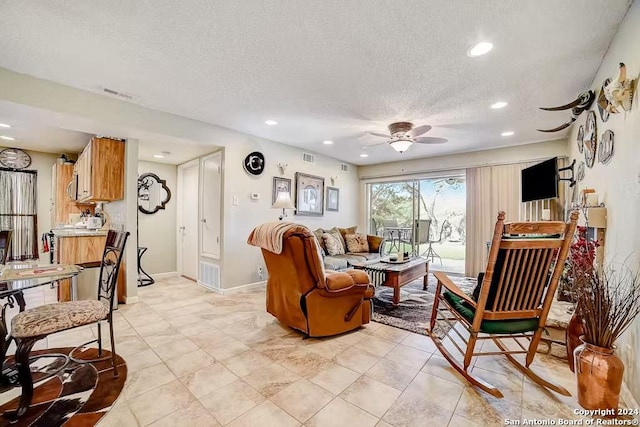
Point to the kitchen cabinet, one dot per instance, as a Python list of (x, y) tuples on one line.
[(75, 249), (100, 171), (62, 203)]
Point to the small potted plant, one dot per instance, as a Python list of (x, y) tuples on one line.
[(608, 300)]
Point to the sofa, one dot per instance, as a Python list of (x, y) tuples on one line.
[(347, 259), (300, 293)]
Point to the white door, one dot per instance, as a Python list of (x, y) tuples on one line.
[(188, 236), (210, 215)]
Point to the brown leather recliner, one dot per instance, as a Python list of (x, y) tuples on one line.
[(303, 296)]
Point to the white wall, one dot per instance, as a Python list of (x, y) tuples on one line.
[(158, 231), (515, 154), (618, 183), (241, 262), (82, 110), (42, 163)]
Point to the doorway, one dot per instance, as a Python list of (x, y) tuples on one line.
[(188, 181)]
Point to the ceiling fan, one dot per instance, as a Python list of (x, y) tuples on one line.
[(402, 135)]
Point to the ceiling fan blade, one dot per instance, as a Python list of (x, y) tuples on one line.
[(382, 135), (374, 145), (419, 130), (430, 140)]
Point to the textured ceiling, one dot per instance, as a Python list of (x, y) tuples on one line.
[(325, 69)]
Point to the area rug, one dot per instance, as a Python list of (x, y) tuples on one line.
[(414, 311), (78, 395)]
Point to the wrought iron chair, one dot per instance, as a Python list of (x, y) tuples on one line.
[(514, 298), (36, 323), (421, 233), (430, 252)]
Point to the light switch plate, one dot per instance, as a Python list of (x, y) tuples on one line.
[(255, 196), (236, 200)]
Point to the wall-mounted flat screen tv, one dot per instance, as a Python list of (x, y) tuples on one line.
[(540, 181)]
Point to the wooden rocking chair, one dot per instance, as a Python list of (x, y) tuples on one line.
[(514, 299)]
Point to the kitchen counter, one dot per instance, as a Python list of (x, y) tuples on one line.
[(78, 232)]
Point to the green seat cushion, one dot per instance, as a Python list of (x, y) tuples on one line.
[(511, 326)]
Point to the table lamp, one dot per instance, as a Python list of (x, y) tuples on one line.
[(283, 201)]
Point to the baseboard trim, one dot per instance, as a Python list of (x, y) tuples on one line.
[(241, 288), (247, 287), (628, 397), (131, 300), (164, 275)]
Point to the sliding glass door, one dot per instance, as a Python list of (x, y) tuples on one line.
[(424, 217)]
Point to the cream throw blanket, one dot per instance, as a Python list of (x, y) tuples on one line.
[(269, 235)]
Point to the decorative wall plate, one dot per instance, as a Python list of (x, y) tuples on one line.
[(580, 138), (590, 139), (602, 102), (254, 163), (14, 158), (580, 172), (605, 151)]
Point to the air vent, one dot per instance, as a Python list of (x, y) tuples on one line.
[(308, 158), (344, 167), (209, 275), (122, 95)]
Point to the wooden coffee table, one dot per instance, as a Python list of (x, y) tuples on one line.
[(397, 275)]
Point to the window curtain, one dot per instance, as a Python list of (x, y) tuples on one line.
[(490, 189), (18, 212)]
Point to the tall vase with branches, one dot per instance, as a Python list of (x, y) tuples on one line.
[(608, 300)]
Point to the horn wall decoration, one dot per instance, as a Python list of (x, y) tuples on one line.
[(616, 95), (577, 106)]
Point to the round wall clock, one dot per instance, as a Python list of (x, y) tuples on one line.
[(14, 158), (590, 139), (580, 138), (254, 163)]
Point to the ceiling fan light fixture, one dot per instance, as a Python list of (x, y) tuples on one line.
[(401, 145)]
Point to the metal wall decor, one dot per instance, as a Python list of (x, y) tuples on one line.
[(580, 172), (605, 151), (153, 193), (580, 138), (577, 106), (309, 194), (590, 140), (616, 95), (254, 163)]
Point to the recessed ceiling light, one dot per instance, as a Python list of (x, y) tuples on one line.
[(364, 155), (4, 125), (507, 133), (498, 105), (327, 142), (8, 138), (480, 49), (270, 122), (159, 156)]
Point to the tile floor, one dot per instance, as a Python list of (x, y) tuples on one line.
[(200, 359)]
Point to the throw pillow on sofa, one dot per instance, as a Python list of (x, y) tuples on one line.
[(333, 243), (318, 233), (345, 231), (357, 243)]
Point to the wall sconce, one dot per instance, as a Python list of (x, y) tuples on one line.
[(283, 201), (333, 180)]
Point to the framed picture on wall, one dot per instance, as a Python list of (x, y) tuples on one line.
[(333, 199), (309, 194), (279, 185)]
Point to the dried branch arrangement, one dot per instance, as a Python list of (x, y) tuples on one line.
[(608, 301)]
